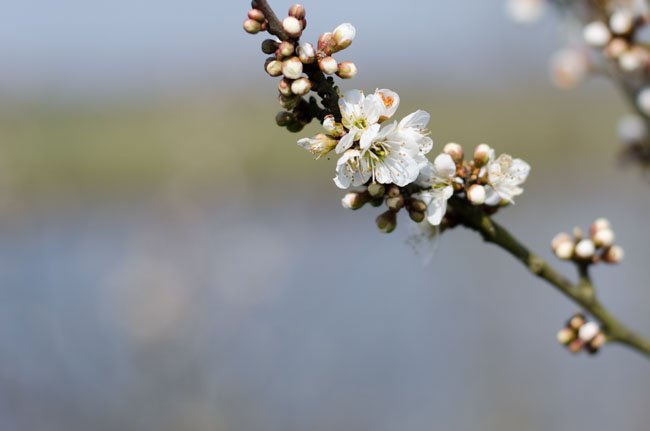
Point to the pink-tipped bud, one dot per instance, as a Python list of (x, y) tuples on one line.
[(346, 70), (585, 249), (285, 49), (476, 194), (292, 27), (273, 67), (251, 26), (564, 250), (343, 36), (455, 151), (256, 15), (597, 342), (603, 237), (482, 154), (306, 53), (301, 86), (328, 65), (614, 255), (326, 43), (297, 11), (616, 47), (292, 68), (559, 239), (284, 87), (576, 346), (576, 321), (600, 223)]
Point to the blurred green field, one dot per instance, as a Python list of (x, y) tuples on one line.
[(214, 144)]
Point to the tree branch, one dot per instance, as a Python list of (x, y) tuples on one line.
[(582, 293)]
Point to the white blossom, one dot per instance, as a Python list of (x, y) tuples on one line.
[(505, 175), (396, 152), (319, 145), (352, 170), (361, 114), (439, 176)]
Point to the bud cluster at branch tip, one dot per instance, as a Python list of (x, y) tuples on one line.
[(597, 247), (579, 334)]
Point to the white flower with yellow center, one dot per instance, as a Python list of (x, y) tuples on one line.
[(361, 115), (505, 175), (319, 145), (352, 170), (439, 177), (396, 153)]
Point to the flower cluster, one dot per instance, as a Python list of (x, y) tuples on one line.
[(384, 162), (302, 67), (579, 334), (597, 247), (486, 181)]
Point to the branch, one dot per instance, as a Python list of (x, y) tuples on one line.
[(582, 293)]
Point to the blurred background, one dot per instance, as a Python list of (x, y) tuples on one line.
[(171, 260)]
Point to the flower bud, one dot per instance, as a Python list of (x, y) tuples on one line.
[(588, 331), (326, 43), (319, 145), (643, 100), (354, 201), (616, 47), (614, 255), (387, 222), (559, 239), (565, 336), (284, 87), (596, 34), (289, 102), (332, 127), (273, 67), (376, 190), (343, 36), (418, 205), (297, 11), (568, 67), (396, 203), (578, 234), (393, 191), (576, 321), (585, 249), (306, 53), (251, 26), (603, 237), (576, 345), (292, 27), (476, 194), (269, 46), (417, 216), (301, 86), (621, 22), (482, 154), (328, 65), (600, 223), (292, 68), (564, 250), (347, 70), (283, 118), (632, 129), (632, 60), (256, 15), (597, 342), (455, 151), (285, 49)]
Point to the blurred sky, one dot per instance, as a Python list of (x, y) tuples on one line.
[(72, 49)]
